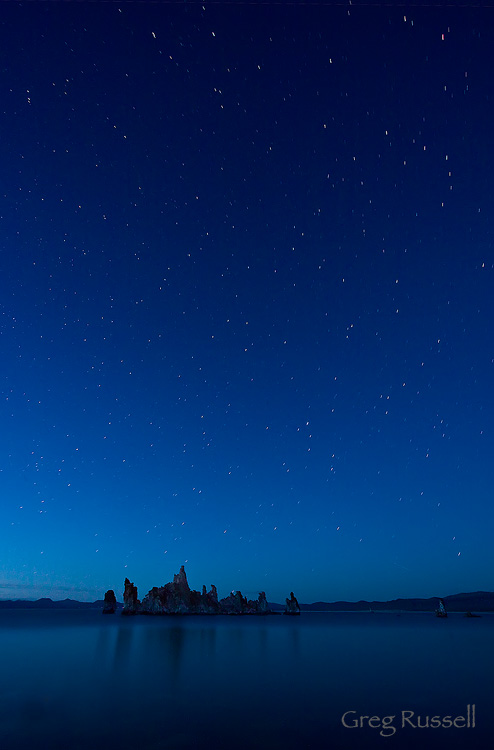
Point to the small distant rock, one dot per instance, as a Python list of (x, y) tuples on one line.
[(292, 606), (110, 603), (441, 610)]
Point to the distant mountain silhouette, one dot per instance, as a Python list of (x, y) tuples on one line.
[(50, 604), (478, 601)]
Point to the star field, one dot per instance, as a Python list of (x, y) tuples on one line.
[(246, 299)]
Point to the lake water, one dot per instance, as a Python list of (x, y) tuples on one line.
[(76, 679)]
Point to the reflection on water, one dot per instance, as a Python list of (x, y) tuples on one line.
[(122, 651), (79, 680)]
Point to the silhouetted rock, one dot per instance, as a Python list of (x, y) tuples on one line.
[(110, 604), (234, 604), (180, 579), (153, 603), (177, 598), (210, 601), (470, 614), (292, 606), (262, 604), (258, 606), (131, 602), (441, 611)]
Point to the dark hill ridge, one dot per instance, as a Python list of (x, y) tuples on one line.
[(478, 601), (46, 603)]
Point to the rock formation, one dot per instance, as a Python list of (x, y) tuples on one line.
[(110, 604), (292, 606), (131, 602), (211, 600), (262, 604), (441, 611), (177, 598), (180, 579), (153, 602), (234, 604)]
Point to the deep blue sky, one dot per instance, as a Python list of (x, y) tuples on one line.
[(246, 299)]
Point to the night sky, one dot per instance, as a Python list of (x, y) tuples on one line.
[(246, 299)]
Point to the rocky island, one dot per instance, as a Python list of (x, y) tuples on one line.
[(177, 598)]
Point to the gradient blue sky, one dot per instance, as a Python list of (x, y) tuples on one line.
[(246, 299)]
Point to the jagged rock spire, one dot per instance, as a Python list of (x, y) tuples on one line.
[(131, 602), (181, 578)]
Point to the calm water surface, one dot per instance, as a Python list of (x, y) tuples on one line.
[(75, 679)]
